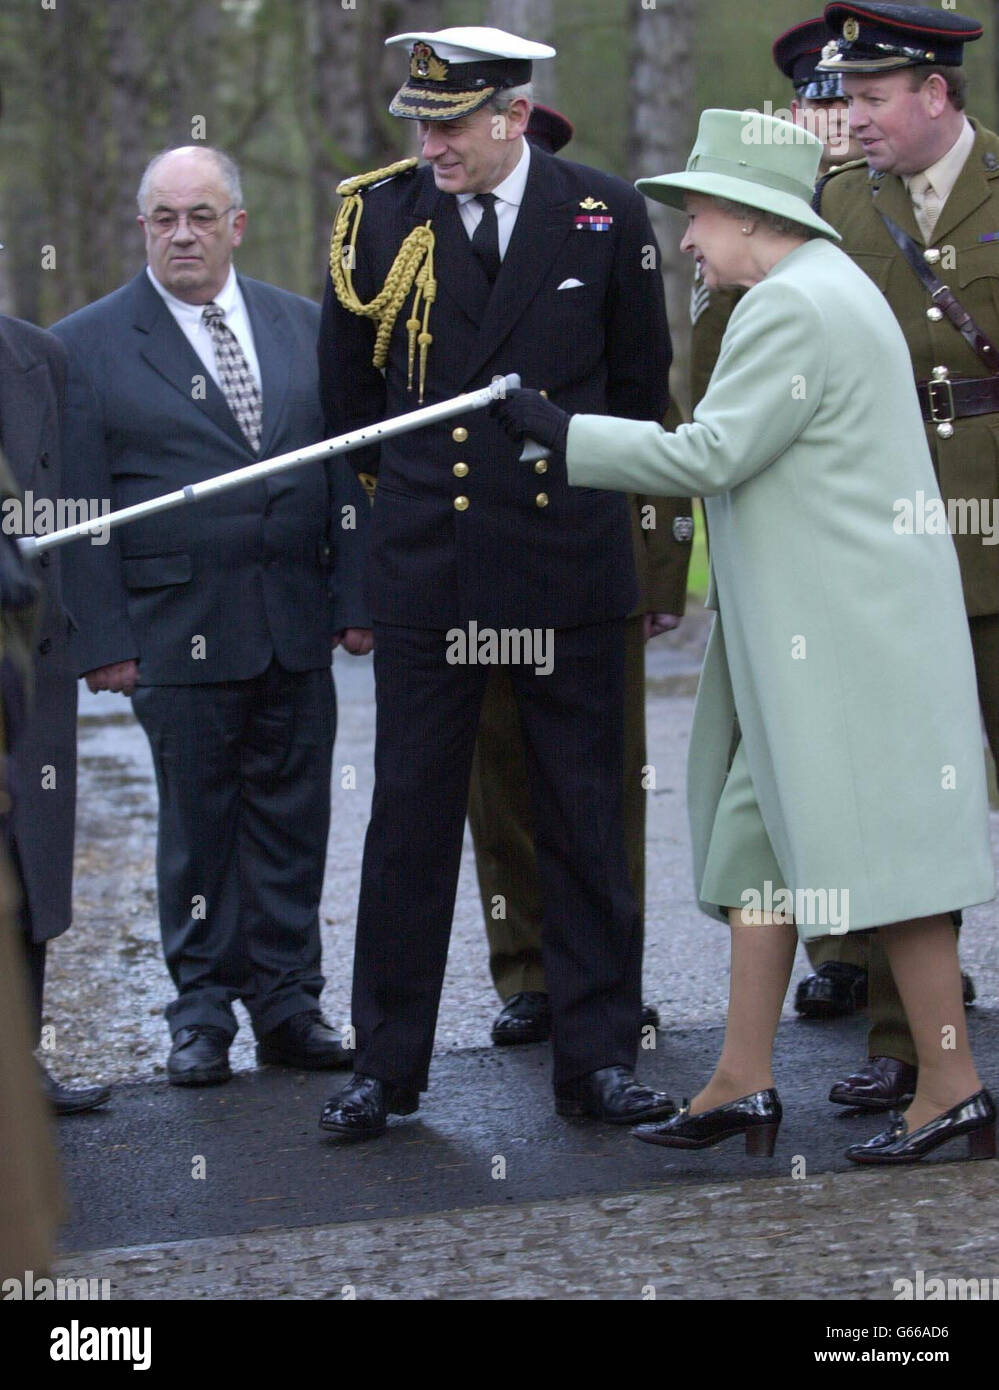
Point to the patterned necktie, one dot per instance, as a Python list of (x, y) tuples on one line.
[(485, 240), (241, 391), (925, 204)]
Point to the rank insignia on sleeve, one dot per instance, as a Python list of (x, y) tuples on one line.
[(593, 222), (591, 205)]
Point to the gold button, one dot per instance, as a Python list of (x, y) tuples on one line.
[(459, 435), (543, 393), (461, 504), (541, 466), (541, 500), (934, 314), (932, 255), (460, 470), (945, 430)]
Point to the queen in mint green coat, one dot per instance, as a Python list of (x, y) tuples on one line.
[(841, 645), (836, 775)]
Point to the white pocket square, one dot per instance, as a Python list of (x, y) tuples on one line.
[(570, 285)]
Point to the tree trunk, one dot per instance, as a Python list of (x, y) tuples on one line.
[(661, 132), (529, 19)]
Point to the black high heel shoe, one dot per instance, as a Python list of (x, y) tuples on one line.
[(975, 1117), (757, 1116)]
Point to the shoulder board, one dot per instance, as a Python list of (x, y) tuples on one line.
[(850, 167), (375, 177)]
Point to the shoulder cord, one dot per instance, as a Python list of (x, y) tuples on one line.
[(412, 269)]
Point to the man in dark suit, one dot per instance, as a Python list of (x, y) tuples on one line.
[(217, 619), (41, 823), (534, 265)]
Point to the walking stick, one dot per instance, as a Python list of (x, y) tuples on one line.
[(327, 448)]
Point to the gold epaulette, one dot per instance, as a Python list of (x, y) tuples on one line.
[(412, 269)]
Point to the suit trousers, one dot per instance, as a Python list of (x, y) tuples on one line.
[(243, 774), (572, 726), (889, 1034), (499, 815)]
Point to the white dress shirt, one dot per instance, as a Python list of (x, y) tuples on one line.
[(509, 196), (195, 330)]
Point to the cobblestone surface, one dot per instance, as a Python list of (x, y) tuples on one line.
[(839, 1236)]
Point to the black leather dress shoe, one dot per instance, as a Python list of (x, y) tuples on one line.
[(974, 1117), (199, 1056), (613, 1095), (72, 1100), (305, 1041), (524, 1018), (757, 1116), (362, 1108), (835, 990), (527, 1018), (883, 1083)]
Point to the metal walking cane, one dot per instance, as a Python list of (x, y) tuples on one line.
[(327, 448)]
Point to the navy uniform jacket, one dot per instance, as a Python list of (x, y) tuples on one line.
[(527, 550), (248, 570), (43, 770)]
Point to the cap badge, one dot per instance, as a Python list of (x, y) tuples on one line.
[(424, 63), (851, 30), (590, 204)]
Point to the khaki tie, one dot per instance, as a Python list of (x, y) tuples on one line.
[(925, 204)]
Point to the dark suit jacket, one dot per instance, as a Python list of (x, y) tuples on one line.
[(527, 550), (248, 570), (32, 383)]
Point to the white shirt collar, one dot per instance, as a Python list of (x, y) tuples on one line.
[(226, 298), (511, 190), (944, 174)]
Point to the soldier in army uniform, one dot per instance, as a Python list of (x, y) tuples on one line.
[(932, 174), (499, 811)]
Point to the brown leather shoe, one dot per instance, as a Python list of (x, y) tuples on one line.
[(884, 1083)]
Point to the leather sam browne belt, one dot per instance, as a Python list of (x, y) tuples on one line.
[(942, 399)]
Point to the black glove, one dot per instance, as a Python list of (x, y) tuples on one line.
[(527, 413)]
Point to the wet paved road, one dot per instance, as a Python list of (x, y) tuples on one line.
[(129, 1168)]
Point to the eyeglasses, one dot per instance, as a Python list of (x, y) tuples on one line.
[(201, 222)]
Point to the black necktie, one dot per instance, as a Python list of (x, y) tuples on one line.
[(485, 241)]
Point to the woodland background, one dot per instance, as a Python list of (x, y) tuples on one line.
[(297, 91)]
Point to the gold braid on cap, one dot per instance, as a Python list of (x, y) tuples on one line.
[(412, 269)]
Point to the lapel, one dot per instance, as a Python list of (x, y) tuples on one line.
[(21, 421), (460, 278), (274, 350), (544, 221), (971, 190), (165, 348), (892, 198)]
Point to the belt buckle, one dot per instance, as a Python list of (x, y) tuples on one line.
[(940, 382)]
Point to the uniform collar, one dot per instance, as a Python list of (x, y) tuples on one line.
[(511, 190), (944, 174)]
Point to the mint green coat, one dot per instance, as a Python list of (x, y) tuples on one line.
[(841, 645)]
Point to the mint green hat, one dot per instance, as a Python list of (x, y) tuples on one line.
[(749, 158)]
